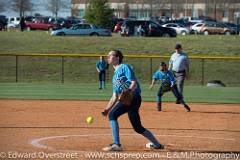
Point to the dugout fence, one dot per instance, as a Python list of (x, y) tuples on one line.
[(80, 68)]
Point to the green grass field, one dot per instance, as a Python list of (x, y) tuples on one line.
[(40, 77), (42, 42), (89, 91)]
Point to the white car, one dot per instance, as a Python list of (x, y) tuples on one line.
[(195, 29), (12, 26), (14, 20), (83, 29), (178, 28)]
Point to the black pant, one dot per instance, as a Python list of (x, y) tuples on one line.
[(132, 110), (174, 90), (102, 75)]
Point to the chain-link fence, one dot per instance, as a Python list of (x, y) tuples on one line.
[(82, 68)]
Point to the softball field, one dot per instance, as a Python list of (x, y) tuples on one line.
[(57, 129)]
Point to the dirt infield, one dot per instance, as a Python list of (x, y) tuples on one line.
[(51, 129)]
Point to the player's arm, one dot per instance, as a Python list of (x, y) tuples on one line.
[(152, 84), (170, 64), (97, 67), (133, 85), (171, 78), (156, 76), (110, 104), (131, 77), (187, 69)]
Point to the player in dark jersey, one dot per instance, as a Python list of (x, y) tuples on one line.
[(101, 67), (168, 84)]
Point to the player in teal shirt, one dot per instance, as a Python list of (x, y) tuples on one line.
[(124, 80), (168, 84), (101, 67)]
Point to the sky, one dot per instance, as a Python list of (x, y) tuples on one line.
[(39, 7)]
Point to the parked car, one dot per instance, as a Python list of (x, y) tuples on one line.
[(234, 27), (117, 27), (41, 23), (114, 21), (150, 28), (3, 22), (12, 26), (177, 27), (195, 29), (29, 18), (2, 26), (214, 28), (63, 23), (14, 20), (82, 29)]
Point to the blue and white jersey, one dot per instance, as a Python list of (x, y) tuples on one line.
[(159, 75), (179, 62), (122, 79), (101, 65)]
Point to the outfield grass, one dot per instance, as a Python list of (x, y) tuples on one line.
[(78, 70), (42, 42), (89, 91)]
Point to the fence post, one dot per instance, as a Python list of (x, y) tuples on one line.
[(16, 69), (203, 72), (62, 70), (150, 70)]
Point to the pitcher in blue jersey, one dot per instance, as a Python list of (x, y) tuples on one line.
[(101, 67), (124, 80), (168, 84)]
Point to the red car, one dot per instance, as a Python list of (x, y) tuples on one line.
[(117, 27), (40, 23)]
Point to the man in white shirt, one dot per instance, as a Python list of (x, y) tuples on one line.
[(179, 65)]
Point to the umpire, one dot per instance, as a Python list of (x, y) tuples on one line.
[(179, 65)]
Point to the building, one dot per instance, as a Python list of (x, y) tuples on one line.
[(221, 10)]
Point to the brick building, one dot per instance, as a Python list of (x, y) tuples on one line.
[(221, 10)]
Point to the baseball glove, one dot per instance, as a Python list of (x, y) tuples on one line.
[(166, 86), (126, 97)]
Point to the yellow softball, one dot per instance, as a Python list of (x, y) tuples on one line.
[(89, 120)]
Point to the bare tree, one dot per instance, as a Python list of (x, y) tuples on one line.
[(211, 8), (2, 5), (55, 6), (22, 6), (155, 6), (126, 9)]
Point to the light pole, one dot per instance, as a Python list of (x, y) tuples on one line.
[(215, 10), (171, 9), (186, 8), (192, 8)]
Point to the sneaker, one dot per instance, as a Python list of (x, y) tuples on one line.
[(187, 108), (113, 147), (150, 145), (159, 108), (178, 102)]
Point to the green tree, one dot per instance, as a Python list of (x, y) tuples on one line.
[(99, 13)]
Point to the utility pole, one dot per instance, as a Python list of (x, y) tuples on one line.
[(192, 8), (171, 9), (186, 8), (215, 10)]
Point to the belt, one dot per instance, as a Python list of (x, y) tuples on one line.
[(179, 71)]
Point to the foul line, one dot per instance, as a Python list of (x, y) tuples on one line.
[(37, 141)]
